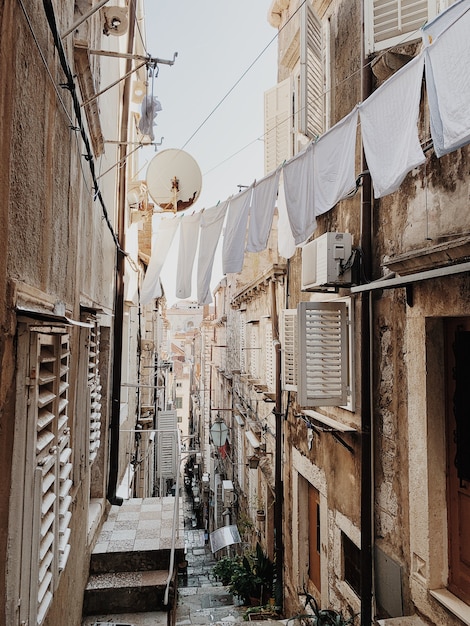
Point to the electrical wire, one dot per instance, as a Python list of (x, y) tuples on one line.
[(300, 109), (241, 77), (70, 85)]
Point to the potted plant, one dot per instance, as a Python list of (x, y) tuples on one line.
[(226, 567), (253, 577)]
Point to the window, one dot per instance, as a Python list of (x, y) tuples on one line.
[(289, 349), (323, 353), (178, 402), (269, 356), (242, 342), (296, 104), (393, 22), (278, 125), (94, 386), (351, 563), (310, 110), (314, 535), (254, 350)]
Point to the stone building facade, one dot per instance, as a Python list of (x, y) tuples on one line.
[(373, 481), (69, 307)]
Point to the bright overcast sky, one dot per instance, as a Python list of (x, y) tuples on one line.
[(216, 41)]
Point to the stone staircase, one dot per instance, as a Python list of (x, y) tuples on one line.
[(130, 563)]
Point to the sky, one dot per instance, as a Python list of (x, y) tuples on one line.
[(212, 98)]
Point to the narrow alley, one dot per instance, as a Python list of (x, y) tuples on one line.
[(201, 599)]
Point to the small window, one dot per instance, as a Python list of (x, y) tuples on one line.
[(390, 23), (179, 402), (351, 563)]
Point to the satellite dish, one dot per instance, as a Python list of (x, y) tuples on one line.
[(174, 180)]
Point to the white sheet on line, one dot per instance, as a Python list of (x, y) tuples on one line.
[(389, 127), (161, 242), (263, 204), (299, 194), (189, 237), (212, 221), (233, 249)]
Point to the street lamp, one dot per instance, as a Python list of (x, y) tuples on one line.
[(219, 432)]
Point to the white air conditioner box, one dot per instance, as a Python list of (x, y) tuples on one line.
[(227, 492), (324, 262)]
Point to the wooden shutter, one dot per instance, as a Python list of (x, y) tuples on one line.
[(311, 73), (242, 342), (323, 355), (95, 387), (388, 22), (269, 351), (278, 125), (167, 424), (52, 477), (289, 349)]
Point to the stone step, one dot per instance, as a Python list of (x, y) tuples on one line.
[(133, 560), (122, 592)]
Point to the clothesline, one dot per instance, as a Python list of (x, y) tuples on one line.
[(313, 181)]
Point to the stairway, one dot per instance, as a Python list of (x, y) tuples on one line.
[(130, 563)]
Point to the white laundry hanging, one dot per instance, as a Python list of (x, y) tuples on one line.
[(299, 194), (262, 208), (212, 221), (334, 163), (233, 249), (389, 127), (189, 237), (447, 59), (161, 243), (285, 238)]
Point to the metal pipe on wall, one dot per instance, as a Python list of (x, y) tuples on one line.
[(114, 426), (367, 495), (278, 486)]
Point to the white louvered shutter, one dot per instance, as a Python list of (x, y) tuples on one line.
[(278, 125), (254, 350), (289, 349), (269, 363), (311, 73), (393, 22), (323, 355), (242, 342), (95, 387), (52, 477), (167, 424)]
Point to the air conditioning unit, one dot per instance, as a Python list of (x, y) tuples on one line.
[(227, 492), (326, 262)]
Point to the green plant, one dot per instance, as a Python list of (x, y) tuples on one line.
[(253, 577), (226, 567), (250, 575)]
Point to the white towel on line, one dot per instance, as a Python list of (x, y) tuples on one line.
[(189, 237), (285, 238), (447, 59), (334, 162), (299, 194), (262, 209), (233, 249), (389, 127), (212, 221), (161, 243)]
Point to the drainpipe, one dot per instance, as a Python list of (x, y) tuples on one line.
[(119, 288), (278, 488), (367, 493)]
